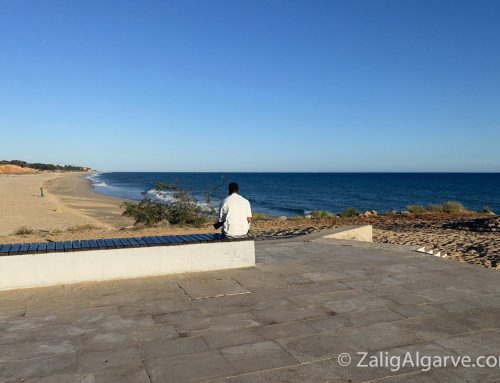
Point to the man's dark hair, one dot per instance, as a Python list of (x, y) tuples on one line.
[(233, 188)]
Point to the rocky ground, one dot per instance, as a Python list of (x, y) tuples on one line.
[(466, 237)]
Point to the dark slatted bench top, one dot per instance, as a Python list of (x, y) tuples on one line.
[(113, 243)]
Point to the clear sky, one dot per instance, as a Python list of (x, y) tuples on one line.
[(247, 85)]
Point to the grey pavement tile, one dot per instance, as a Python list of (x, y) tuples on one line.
[(261, 281), (117, 323), (438, 375), (180, 346), (476, 344), (176, 317), (216, 323), (452, 306), (99, 360), (31, 350), (331, 296), (414, 310), (431, 327), (229, 304), (284, 314), (403, 298), (219, 339), (380, 281), (477, 375), (196, 367), (372, 317), (316, 347), (257, 356), (325, 371), (208, 288), (359, 305), (447, 294), (370, 366), (40, 308), (283, 330), (376, 336), (314, 299), (106, 340), (155, 306), (12, 312), (478, 319), (51, 332), (64, 378), (81, 318), (486, 301), (27, 368), (152, 333), (122, 375), (329, 323), (324, 276)]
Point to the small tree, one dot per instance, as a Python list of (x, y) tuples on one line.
[(183, 209)]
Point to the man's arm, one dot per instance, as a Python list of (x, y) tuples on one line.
[(222, 212), (249, 213)]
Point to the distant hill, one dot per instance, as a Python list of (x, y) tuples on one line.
[(20, 167)]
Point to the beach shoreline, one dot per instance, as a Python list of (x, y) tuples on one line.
[(71, 210)]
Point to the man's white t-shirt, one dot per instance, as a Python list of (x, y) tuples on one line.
[(233, 212)]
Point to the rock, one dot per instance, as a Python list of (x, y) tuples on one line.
[(370, 213), (308, 216), (282, 218)]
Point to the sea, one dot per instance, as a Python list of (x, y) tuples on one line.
[(296, 194)]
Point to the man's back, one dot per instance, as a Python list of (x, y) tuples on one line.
[(234, 213)]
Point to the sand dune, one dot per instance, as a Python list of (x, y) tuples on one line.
[(14, 169)]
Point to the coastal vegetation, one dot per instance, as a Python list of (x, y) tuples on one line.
[(85, 227), (169, 204), (319, 214), (23, 230), (42, 167), (449, 207), (349, 213)]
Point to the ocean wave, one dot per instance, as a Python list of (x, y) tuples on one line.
[(160, 196), (101, 184), (167, 198)]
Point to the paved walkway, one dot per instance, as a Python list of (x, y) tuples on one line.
[(286, 320)]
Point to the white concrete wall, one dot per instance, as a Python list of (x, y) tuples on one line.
[(32, 270), (356, 233)]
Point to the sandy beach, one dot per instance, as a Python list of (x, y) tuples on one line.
[(70, 210), (21, 204)]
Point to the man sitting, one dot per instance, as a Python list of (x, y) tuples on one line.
[(235, 214)]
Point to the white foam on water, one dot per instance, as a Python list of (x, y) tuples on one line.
[(160, 196)]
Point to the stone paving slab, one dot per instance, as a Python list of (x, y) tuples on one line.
[(286, 320)]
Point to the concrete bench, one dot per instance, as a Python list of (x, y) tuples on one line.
[(52, 263)]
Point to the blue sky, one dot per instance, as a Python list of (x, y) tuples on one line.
[(252, 85)]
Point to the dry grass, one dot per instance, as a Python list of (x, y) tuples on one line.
[(23, 230), (85, 227), (449, 207)]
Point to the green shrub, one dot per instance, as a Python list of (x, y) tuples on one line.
[(318, 214), (449, 207), (24, 230), (349, 213), (183, 210), (416, 209), (453, 207), (434, 208), (486, 210)]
